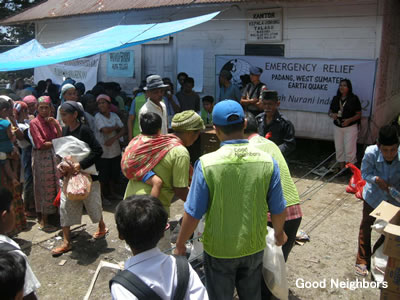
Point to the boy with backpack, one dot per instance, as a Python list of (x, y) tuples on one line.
[(149, 273)]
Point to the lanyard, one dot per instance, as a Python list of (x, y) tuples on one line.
[(342, 104)]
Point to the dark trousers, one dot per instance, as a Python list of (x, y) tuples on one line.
[(29, 200), (290, 227), (223, 275), (364, 238)]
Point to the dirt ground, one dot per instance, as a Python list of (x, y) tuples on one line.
[(331, 219)]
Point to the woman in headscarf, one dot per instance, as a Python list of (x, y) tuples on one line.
[(109, 130), (70, 93), (71, 211), (31, 102), (44, 129), (23, 141)]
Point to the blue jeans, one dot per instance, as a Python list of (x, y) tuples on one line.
[(223, 274)]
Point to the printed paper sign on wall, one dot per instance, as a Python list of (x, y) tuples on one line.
[(81, 70), (264, 26), (120, 64), (305, 84)]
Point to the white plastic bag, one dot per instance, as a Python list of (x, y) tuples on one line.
[(378, 259), (378, 264), (77, 149), (274, 268), (197, 247)]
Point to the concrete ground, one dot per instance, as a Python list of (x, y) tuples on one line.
[(331, 219)]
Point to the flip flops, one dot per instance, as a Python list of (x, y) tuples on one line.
[(361, 270), (100, 234), (60, 250)]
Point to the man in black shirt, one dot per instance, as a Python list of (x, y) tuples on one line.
[(271, 122), (251, 96), (187, 97)]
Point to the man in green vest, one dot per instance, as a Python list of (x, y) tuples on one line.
[(293, 210), (133, 120), (235, 187)]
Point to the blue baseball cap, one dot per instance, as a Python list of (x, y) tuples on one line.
[(227, 112), (255, 70)]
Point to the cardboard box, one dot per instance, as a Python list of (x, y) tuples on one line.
[(391, 214), (388, 295), (392, 275)]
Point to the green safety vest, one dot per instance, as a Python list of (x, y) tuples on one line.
[(238, 177), (204, 117), (139, 102), (289, 189)]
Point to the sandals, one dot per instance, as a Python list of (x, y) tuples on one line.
[(100, 234), (48, 228), (60, 250), (361, 270)]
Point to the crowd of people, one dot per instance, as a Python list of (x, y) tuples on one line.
[(237, 190)]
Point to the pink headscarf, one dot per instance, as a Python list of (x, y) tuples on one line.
[(30, 99), (44, 99), (103, 96)]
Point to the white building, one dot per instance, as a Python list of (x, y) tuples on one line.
[(325, 29)]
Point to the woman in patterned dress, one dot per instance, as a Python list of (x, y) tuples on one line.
[(44, 128)]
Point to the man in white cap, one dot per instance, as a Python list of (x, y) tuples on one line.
[(155, 91)]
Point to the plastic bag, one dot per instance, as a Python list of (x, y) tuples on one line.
[(77, 187), (57, 199), (356, 183), (274, 268), (378, 264), (75, 148), (197, 246), (378, 259)]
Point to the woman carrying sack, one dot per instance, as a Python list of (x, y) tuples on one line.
[(71, 210)]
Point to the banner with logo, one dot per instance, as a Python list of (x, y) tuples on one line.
[(81, 70), (305, 84)]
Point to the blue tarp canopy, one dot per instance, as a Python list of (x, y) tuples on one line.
[(30, 48), (111, 39)]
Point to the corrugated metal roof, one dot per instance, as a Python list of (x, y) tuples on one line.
[(67, 8)]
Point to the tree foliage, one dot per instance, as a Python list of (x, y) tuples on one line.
[(13, 36)]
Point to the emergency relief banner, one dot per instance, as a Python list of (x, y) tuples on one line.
[(305, 84), (81, 70)]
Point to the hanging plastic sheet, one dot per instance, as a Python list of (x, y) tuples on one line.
[(107, 40), (31, 48)]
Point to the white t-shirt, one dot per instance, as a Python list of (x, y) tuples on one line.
[(31, 282), (159, 272), (101, 121), (150, 106)]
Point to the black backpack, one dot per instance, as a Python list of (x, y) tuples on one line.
[(143, 292)]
